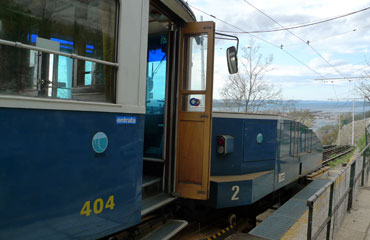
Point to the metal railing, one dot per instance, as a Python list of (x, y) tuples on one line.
[(44, 50), (355, 176)]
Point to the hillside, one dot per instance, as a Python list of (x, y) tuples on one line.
[(345, 134)]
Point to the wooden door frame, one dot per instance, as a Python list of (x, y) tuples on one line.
[(189, 190)]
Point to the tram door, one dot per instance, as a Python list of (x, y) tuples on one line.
[(193, 153)]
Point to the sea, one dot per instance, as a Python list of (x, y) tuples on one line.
[(326, 112)]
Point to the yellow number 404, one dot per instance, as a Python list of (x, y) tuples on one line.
[(98, 206)]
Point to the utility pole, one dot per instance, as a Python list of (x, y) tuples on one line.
[(353, 116), (363, 109), (353, 122), (338, 129)]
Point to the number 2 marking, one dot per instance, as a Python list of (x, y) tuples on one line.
[(235, 195)]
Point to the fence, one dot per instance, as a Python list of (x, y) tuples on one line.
[(340, 192)]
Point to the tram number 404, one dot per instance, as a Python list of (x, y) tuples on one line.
[(98, 206)]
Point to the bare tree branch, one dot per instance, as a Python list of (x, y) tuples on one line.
[(248, 91)]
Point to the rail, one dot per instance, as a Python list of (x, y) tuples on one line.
[(341, 152), (44, 50), (356, 171)]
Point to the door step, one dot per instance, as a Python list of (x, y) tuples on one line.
[(167, 230), (153, 203), (149, 180)]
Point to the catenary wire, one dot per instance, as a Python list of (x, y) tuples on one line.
[(261, 39), (317, 52), (300, 26)]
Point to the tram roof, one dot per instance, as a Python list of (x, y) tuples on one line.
[(181, 9)]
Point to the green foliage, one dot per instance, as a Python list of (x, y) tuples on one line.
[(343, 159), (328, 134), (303, 116), (361, 143), (346, 118)]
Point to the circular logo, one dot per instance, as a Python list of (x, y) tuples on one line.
[(99, 142), (259, 138), (194, 102)]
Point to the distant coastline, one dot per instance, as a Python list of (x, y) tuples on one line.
[(326, 112)]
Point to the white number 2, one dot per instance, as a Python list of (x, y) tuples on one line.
[(236, 191)]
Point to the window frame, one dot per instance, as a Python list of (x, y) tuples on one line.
[(75, 58)]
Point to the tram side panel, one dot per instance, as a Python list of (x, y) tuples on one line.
[(245, 174), (262, 157), (61, 180)]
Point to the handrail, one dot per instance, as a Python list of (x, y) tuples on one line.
[(354, 177), (44, 50)]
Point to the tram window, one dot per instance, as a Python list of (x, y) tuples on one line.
[(294, 139), (155, 96), (196, 63), (83, 27)]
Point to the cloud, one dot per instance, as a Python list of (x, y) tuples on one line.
[(335, 40)]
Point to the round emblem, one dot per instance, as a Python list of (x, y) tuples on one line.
[(194, 102), (259, 138), (99, 142)]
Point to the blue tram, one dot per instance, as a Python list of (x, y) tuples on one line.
[(254, 155), (106, 116)]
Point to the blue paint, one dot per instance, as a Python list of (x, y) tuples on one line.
[(260, 145), (248, 156), (48, 171), (224, 194), (228, 164)]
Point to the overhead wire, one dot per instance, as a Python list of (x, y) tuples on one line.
[(357, 29), (302, 25), (261, 39), (308, 44)]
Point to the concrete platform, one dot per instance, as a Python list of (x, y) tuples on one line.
[(356, 224)]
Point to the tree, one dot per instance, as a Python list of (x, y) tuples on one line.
[(364, 87), (303, 116), (328, 134), (247, 90)]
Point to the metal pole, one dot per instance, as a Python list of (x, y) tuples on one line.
[(338, 129), (363, 168), (330, 213), (353, 122), (310, 216), (363, 110), (364, 160), (351, 184)]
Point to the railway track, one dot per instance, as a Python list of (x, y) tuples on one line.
[(333, 152)]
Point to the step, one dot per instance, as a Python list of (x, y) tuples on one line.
[(149, 180), (153, 203), (168, 230)]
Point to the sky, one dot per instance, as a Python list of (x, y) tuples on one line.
[(343, 42)]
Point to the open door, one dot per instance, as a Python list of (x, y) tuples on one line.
[(194, 122)]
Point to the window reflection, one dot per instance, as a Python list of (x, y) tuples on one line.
[(155, 96), (195, 63), (82, 27)]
